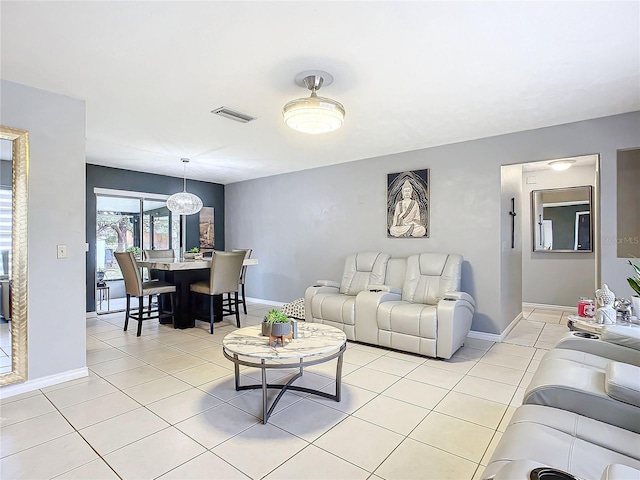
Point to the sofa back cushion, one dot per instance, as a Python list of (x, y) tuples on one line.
[(363, 269), (430, 275), (396, 271)]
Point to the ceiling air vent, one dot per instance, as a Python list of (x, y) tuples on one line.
[(233, 115)]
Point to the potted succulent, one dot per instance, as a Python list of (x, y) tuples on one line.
[(634, 283), (191, 253), (277, 323)]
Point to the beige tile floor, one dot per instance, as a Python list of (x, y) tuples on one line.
[(164, 406)]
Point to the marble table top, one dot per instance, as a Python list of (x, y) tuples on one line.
[(313, 339), (162, 264)]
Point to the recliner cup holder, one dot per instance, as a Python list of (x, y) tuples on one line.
[(586, 335), (546, 473)]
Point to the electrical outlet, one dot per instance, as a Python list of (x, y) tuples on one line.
[(62, 251)]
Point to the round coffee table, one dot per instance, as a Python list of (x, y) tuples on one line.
[(316, 343)]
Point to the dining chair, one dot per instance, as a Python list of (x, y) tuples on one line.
[(241, 281), (149, 255), (223, 278), (134, 285)]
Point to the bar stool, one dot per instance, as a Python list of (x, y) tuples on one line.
[(223, 278), (135, 286)]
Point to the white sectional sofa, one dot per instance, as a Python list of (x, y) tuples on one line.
[(411, 304), (581, 413)]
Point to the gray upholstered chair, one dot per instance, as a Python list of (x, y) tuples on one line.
[(149, 255), (134, 285), (223, 278), (241, 282)]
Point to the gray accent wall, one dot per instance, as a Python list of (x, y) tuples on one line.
[(555, 278), (303, 225), (211, 194), (56, 287)]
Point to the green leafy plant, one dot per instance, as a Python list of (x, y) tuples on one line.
[(275, 316), (137, 252), (193, 250), (634, 282)]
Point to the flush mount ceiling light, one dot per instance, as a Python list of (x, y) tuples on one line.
[(184, 203), (313, 114), (561, 164)]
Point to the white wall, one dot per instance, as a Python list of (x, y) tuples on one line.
[(555, 278), (56, 288), (302, 225)]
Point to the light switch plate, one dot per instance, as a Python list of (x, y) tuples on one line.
[(62, 251)]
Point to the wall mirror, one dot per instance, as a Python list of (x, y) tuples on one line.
[(14, 168), (561, 219)]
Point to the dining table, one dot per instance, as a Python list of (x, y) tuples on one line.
[(182, 273)]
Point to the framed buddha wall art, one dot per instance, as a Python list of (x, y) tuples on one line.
[(408, 204)]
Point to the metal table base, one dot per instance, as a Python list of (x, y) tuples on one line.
[(264, 386)]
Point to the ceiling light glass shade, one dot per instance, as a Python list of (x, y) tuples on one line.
[(184, 203), (561, 164), (313, 115)]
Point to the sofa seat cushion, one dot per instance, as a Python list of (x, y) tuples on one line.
[(408, 318), (334, 307), (564, 440)]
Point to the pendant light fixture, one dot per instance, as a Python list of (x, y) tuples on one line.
[(315, 114), (184, 203)]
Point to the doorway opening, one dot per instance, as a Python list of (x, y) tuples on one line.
[(128, 222)]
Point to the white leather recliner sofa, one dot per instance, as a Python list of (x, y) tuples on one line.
[(584, 448), (334, 303), (415, 306), (605, 387), (581, 414)]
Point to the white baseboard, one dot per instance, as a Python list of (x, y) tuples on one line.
[(42, 382), (495, 337), (547, 307), (92, 315), (266, 302)]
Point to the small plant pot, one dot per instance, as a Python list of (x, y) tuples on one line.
[(280, 329), (266, 329)]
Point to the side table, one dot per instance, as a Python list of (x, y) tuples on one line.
[(588, 324), (103, 294)]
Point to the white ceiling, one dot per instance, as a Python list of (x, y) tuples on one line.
[(410, 74)]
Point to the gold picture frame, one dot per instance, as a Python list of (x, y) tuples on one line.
[(18, 279)]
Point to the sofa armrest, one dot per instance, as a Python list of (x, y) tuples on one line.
[(314, 290), (327, 283), (384, 288), (628, 337), (597, 346), (455, 314), (460, 296), (622, 382), (367, 314), (616, 471), (510, 470)]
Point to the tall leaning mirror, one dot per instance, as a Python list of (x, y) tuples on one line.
[(14, 168), (561, 219)]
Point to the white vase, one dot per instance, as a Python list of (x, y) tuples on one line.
[(635, 303)]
